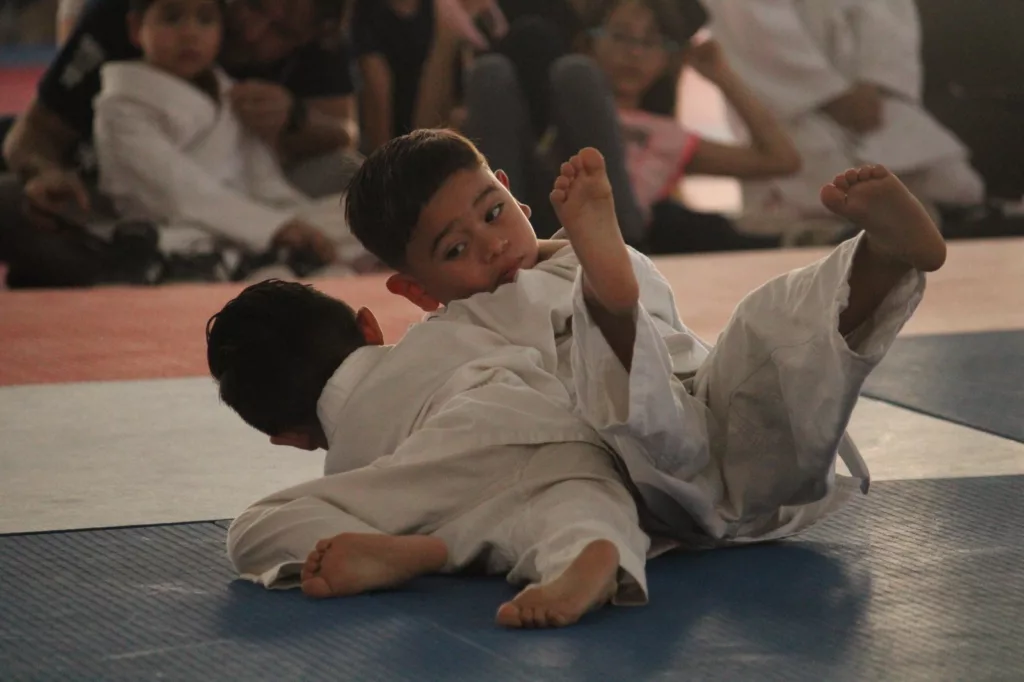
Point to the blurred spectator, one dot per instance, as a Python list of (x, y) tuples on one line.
[(845, 79), (294, 90)]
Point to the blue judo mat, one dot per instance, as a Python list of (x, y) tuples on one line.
[(917, 581), (976, 380)]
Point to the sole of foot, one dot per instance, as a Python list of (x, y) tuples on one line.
[(353, 563), (588, 583), (898, 227)]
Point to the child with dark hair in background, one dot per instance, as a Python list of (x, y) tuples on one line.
[(172, 150)]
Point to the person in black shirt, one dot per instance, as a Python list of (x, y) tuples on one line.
[(294, 89), (402, 45)]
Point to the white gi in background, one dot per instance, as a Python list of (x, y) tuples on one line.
[(487, 403), (167, 152), (797, 55)]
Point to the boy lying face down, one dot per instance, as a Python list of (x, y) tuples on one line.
[(520, 427)]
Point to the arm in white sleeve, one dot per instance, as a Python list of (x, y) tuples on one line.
[(265, 178), (768, 45), (140, 166), (889, 46)]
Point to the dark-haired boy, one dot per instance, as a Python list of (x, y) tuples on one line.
[(735, 446)]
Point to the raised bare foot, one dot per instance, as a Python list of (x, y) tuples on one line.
[(588, 582), (583, 201), (352, 563), (898, 227)]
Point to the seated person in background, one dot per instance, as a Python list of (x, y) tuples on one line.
[(171, 150), (844, 77), (638, 42), (411, 55), (294, 90)]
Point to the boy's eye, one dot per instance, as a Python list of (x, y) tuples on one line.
[(454, 252), (493, 214)]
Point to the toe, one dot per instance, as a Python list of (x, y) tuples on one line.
[(840, 182), (833, 198), (557, 619), (852, 176), (557, 196), (316, 587), (865, 173), (508, 615), (562, 182), (568, 170), (324, 545), (312, 565), (592, 160), (879, 172)]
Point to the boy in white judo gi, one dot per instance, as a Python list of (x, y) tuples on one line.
[(471, 416), (172, 150)]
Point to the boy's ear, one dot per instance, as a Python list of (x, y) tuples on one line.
[(135, 28), (503, 179), (369, 327), (411, 290)]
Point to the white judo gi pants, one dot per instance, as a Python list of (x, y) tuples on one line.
[(525, 510), (754, 432)]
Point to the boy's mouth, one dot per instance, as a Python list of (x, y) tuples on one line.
[(508, 275)]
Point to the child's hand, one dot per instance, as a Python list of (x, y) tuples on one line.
[(708, 59), (859, 109), (301, 236), (262, 107)]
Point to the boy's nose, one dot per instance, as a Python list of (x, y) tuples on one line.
[(496, 246)]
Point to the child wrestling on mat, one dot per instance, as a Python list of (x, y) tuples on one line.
[(502, 455)]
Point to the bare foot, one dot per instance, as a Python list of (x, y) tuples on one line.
[(583, 201), (588, 583), (352, 563), (897, 225)]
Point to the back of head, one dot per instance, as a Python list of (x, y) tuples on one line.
[(390, 189), (274, 348)]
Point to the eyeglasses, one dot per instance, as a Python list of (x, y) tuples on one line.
[(627, 42)]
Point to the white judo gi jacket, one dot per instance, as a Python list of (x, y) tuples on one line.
[(740, 438), (731, 445), (167, 152), (797, 55)]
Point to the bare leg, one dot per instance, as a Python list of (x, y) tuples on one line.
[(352, 563), (900, 236), (582, 198), (588, 583)]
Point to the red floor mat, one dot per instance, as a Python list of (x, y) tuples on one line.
[(124, 333), (17, 87)]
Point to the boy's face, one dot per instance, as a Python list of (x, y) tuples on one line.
[(181, 37), (631, 49), (472, 237)]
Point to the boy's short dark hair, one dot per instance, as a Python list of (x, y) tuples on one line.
[(390, 189), (274, 348)]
